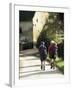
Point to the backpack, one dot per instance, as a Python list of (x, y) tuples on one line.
[(43, 51), (52, 49)]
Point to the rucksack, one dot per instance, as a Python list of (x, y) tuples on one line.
[(52, 49)]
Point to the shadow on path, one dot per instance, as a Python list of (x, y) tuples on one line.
[(41, 73), (30, 66), (33, 66)]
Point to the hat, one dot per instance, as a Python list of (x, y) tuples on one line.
[(52, 41)]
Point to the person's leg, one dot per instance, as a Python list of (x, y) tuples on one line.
[(50, 57), (51, 64), (44, 65), (54, 57), (54, 64), (50, 61), (41, 65)]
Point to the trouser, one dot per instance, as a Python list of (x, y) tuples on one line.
[(43, 65), (52, 63)]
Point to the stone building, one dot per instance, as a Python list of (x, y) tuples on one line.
[(39, 21)]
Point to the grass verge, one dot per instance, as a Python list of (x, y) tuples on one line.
[(60, 64)]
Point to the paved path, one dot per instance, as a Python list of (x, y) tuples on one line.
[(30, 67)]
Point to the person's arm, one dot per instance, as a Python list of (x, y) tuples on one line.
[(48, 49)]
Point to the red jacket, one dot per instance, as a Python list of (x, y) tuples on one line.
[(52, 49)]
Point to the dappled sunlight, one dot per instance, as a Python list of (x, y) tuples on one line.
[(30, 68), (35, 27)]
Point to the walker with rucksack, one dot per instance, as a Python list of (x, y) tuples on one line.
[(52, 49)]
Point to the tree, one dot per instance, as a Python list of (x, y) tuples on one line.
[(53, 29)]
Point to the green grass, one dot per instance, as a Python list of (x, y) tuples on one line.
[(60, 64)]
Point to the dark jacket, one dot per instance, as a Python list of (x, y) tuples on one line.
[(43, 52)]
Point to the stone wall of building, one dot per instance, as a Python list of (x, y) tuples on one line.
[(39, 20)]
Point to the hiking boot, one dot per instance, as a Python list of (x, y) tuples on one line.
[(51, 67), (41, 67)]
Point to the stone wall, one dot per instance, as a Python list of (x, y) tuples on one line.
[(39, 20)]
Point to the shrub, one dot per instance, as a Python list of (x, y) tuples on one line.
[(61, 49)]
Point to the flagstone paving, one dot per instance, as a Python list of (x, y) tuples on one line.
[(29, 67)]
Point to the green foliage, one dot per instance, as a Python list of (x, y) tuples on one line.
[(60, 64), (53, 29), (43, 37), (61, 50)]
